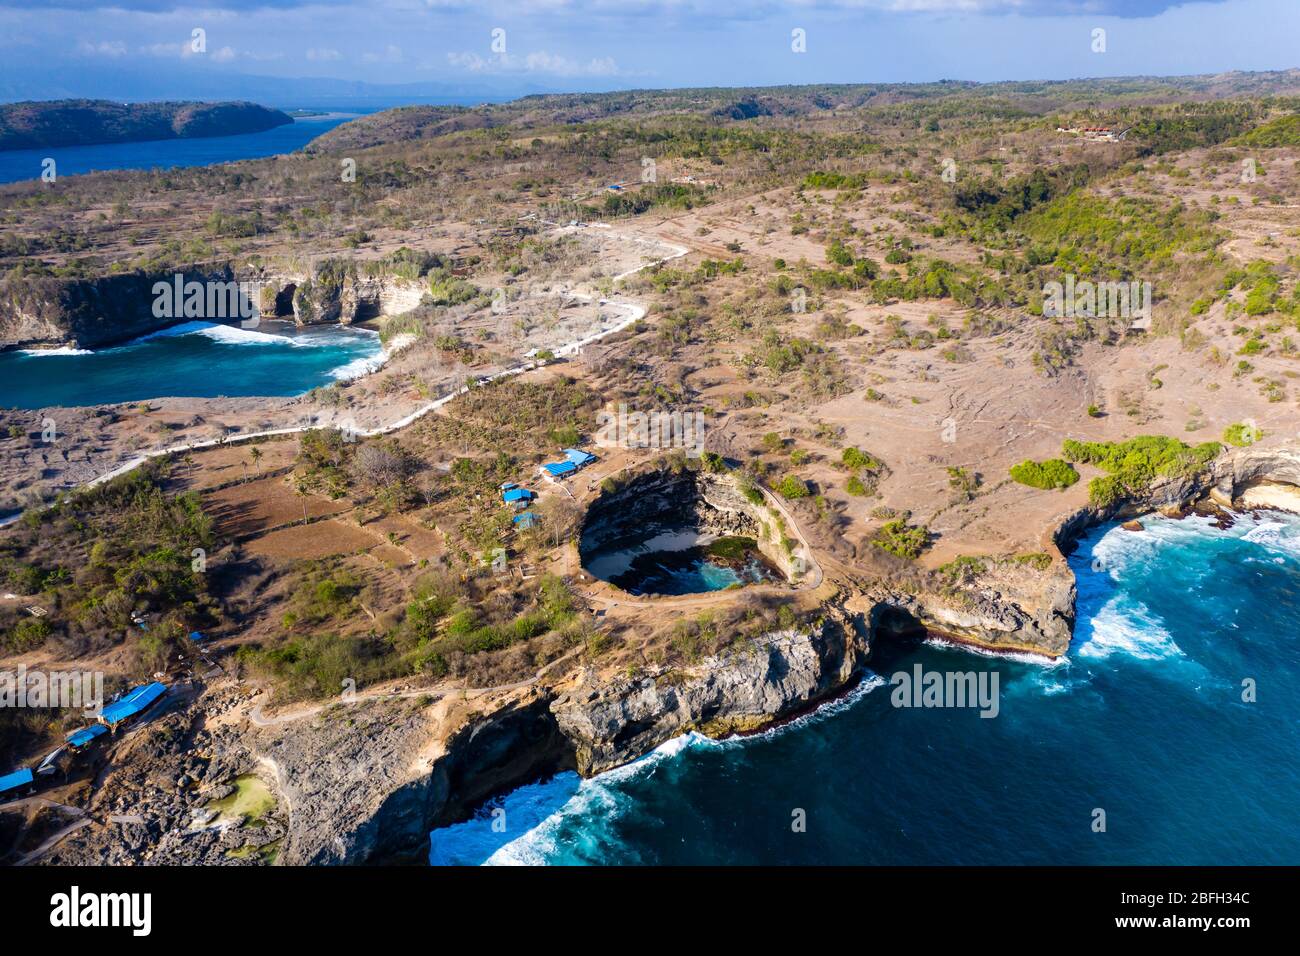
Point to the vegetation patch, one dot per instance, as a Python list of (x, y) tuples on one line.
[(1049, 474)]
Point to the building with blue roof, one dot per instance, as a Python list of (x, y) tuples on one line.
[(527, 519), (579, 457), (131, 703), (556, 470), (12, 782), (519, 497), (85, 735)]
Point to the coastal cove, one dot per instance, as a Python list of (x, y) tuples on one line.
[(20, 164), (194, 359), (1144, 718)]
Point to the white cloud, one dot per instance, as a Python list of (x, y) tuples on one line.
[(166, 49), (539, 61), (224, 55), (392, 54), (323, 54), (113, 48)]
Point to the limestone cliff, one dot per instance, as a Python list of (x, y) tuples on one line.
[(49, 312), (611, 722)]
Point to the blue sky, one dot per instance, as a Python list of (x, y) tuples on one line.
[(139, 48)]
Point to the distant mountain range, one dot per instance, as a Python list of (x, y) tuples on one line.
[(135, 84), (31, 125)]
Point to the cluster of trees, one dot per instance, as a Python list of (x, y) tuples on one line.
[(101, 556), (1134, 464)]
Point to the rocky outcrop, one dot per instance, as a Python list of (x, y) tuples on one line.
[(1222, 483), (344, 296), (612, 722), (49, 312), (664, 500), (1006, 607), (370, 787)]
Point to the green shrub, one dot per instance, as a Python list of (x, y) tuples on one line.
[(900, 539), (1242, 434), (1052, 473), (791, 487), (856, 459)]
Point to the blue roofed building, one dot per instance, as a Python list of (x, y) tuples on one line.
[(579, 457), (526, 520), (12, 783), (131, 703), (519, 497), (80, 738), (555, 470)]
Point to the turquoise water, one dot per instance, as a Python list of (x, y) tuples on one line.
[(198, 359), (676, 572), (19, 164), (1144, 719)]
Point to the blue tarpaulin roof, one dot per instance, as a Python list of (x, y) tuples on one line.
[(578, 456), (85, 735), (12, 781), (518, 494), (557, 468), (134, 701), (527, 519)]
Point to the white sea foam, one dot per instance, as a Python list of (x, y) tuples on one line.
[(597, 799), (363, 365), (226, 334), (544, 809), (1020, 657), (65, 350), (1128, 627)]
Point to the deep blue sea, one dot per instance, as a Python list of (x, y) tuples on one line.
[(199, 359), (1144, 719), (18, 164)]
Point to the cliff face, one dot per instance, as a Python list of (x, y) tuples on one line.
[(37, 312), (42, 312), (1007, 608), (610, 723), (664, 500), (1224, 483), (370, 788)]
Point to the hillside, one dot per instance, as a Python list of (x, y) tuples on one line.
[(88, 122)]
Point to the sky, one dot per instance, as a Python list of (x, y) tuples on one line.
[(405, 49)]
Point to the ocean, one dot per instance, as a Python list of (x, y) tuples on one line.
[(194, 359), (1138, 747), (20, 164)]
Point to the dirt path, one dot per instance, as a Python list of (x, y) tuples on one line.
[(635, 311)]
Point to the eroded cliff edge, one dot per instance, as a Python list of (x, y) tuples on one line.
[(366, 782), (42, 311)]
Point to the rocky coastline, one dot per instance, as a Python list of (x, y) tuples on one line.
[(46, 312), (398, 768)]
